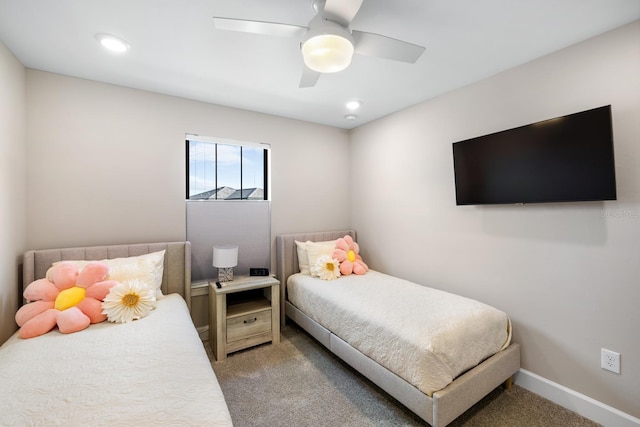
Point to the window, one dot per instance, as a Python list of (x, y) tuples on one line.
[(226, 170)]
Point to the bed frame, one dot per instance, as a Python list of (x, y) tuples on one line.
[(192, 383), (438, 410), (176, 277)]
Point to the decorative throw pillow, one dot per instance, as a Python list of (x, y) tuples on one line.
[(148, 268), (326, 268), (317, 251), (303, 258), (128, 301), (347, 253), (70, 299)]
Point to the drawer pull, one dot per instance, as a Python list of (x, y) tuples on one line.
[(251, 320)]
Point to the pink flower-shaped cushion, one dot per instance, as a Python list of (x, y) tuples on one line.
[(347, 254), (49, 308)]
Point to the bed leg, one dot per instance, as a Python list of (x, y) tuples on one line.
[(508, 383)]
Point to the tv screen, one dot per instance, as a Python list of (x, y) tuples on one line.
[(566, 159)]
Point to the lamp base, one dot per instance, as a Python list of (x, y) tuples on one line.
[(225, 274)]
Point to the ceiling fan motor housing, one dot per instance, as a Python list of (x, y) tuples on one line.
[(327, 47)]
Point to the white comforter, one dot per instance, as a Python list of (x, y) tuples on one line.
[(153, 371), (426, 336)]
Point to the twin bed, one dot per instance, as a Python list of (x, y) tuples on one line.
[(150, 372), (154, 371), (436, 353)]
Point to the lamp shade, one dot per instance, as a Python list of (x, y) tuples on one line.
[(225, 256)]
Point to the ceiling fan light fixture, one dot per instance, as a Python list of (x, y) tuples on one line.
[(327, 53), (327, 46)]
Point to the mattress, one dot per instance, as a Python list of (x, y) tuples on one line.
[(426, 336), (153, 371)]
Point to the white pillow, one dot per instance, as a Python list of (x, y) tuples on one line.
[(147, 268), (318, 249), (303, 260)]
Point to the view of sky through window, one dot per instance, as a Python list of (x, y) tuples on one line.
[(215, 169)]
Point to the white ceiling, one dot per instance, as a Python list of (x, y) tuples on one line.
[(177, 51)]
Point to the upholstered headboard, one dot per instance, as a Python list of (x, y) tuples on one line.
[(176, 277), (287, 256)]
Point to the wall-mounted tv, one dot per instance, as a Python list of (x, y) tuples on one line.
[(566, 159)]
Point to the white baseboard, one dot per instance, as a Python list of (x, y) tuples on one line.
[(574, 401)]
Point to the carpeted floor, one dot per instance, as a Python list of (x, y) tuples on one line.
[(299, 383)]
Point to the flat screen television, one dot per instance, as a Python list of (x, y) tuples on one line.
[(566, 159)]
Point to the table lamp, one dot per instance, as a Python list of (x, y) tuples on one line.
[(225, 257)]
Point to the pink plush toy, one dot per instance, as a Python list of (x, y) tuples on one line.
[(67, 298), (346, 252)]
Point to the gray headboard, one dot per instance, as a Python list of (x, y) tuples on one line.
[(176, 277), (287, 256)]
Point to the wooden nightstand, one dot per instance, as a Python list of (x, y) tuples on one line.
[(243, 313)]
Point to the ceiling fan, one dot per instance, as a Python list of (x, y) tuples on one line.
[(327, 43)]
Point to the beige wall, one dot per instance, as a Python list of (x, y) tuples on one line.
[(568, 274), (13, 188), (107, 163)]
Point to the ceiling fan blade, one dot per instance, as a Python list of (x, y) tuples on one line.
[(371, 44), (259, 27), (309, 77), (341, 11)]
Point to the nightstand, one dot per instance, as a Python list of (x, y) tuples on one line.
[(243, 313)]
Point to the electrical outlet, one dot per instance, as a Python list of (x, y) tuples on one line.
[(610, 360)]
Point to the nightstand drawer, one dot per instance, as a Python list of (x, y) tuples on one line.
[(247, 325)]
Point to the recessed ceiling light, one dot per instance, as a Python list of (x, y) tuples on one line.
[(113, 43), (350, 117), (353, 105)]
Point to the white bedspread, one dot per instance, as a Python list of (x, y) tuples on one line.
[(426, 336), (151, 372)]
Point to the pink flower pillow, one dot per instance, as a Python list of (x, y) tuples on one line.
[(347, 254), (70, 299)]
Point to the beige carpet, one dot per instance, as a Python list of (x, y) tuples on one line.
[(299, 383)]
